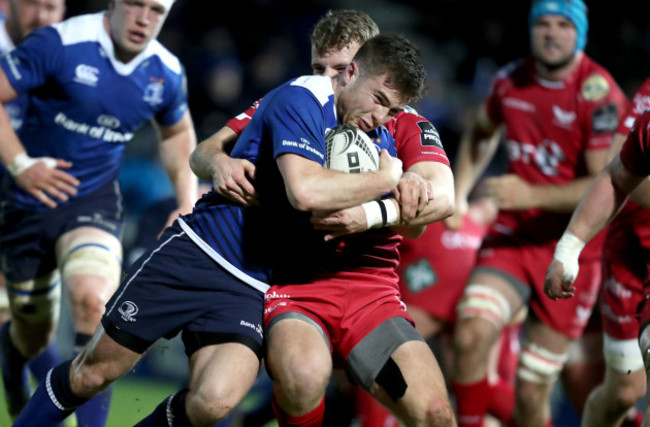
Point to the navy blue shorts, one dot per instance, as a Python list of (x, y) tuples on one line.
[(178, 287), (27, 238)]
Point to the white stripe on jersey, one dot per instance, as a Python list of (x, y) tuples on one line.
[(250, 281)]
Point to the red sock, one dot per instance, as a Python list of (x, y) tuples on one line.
[(370, 413), (471, 402), (313, 418), (502, 401)]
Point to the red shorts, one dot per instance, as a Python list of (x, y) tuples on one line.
[(433, 268), (526, 266), (621, 294), (347, 306)]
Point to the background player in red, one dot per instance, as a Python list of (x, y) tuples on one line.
[(559, 110), (601, 203), (625, 256)]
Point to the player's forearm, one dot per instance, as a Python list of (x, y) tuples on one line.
[(558, 198), (332, 190), (175, 153), (202, 160), (599, 205), (11, 145), (475, 153), (442, 200)]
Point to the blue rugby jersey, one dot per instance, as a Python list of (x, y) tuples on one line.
[(249, 242), (84, 104), (15, 108)]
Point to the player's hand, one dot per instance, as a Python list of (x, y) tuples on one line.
[(558, 284), (390, 166), (48, 184), (510, 192), (412, 194), (340, 223), (455, 222), (232, 179)]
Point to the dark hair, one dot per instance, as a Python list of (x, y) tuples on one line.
[(337, 29), (396, 57)]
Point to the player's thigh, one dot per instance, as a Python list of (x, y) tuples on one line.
[(417, 369), (223, 373), (297, 345)]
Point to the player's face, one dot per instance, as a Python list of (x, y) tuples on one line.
[(367, 102), (334, 61), (553, 40), (33, 14), (133, 24)]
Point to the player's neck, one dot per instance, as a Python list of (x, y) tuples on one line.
[(561, 72)]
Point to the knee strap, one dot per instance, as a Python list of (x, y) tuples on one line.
[(92, 255), (539, 365), (484, 302), (35, 301)]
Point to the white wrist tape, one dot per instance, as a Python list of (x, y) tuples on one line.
[(567, 252), (380, 213), (22, 161)]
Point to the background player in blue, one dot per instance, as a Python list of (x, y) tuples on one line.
[(21, 17), (203, 279), (62, 207)]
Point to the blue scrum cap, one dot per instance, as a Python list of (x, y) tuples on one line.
[(575, 10)]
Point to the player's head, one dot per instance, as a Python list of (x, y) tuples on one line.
[(132, 24), (384, 76), (28, 15), (336, 38), (557, 26)]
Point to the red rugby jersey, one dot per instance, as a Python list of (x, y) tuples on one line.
[(549, 126)]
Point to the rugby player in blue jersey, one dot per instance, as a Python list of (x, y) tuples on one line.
[(208, 276), (93, 81), (21, 18)]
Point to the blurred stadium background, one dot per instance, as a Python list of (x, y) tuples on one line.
[(233, 55)]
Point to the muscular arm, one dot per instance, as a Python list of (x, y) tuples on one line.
[(178, 142), (512, 192), (477, 147), (230, 177), (42, 179), (310, 187)]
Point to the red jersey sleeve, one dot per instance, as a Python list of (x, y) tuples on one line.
[(239, 122), (604, 105), (640, 103), (416, 139), (635, 154)]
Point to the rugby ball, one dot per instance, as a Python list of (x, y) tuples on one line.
[(349, 149)]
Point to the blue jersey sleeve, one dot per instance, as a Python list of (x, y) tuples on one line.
[(37, 58), (297, 124), (176, 104)]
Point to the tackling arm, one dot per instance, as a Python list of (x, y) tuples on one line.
[(230, 177)]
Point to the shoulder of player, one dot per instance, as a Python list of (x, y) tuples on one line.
[(90, 29), (596, 83), (320, 87)]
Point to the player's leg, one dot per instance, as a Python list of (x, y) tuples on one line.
[(372, 413), (543, 354), (408, 379), (621, 293), (485, 308), (298, 359), (35, 309), (90, 262), (71, 384)]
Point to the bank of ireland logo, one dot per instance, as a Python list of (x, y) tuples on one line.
[(153, 93), (128, 310)]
